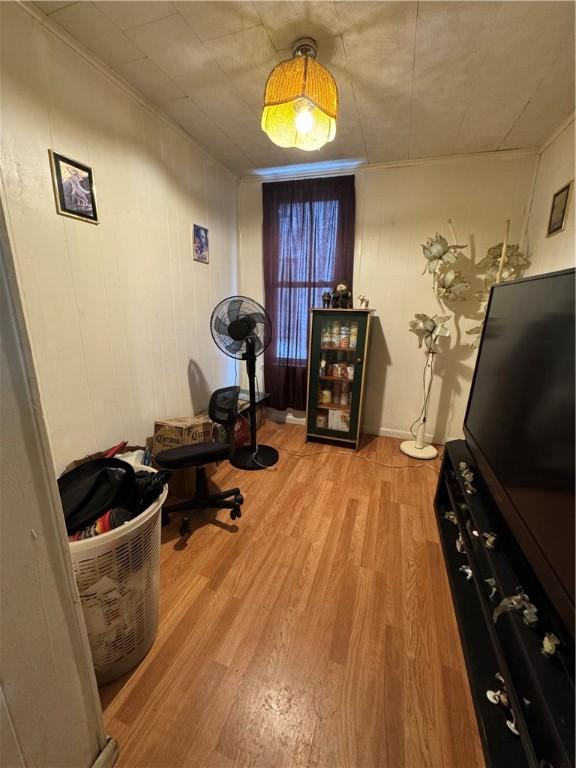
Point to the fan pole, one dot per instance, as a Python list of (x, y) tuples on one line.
[(253, 456), (251, 370)]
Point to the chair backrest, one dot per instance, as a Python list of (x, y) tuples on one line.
[(223, 409)]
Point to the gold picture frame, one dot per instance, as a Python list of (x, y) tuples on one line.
[(74, 188)]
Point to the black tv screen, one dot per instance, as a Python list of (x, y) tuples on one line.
[(519, 423)]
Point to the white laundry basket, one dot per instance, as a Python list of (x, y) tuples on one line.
[(117, 574)]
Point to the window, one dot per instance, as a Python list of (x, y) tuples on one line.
[(308, 242)]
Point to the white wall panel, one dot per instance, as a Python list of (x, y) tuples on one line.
[(555, 170), (117, 311), (397, 209)]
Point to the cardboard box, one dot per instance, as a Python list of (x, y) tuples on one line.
[(101, 455), (186, 430)]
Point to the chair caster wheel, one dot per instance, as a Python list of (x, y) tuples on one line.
[(239, 499), (184, 528), (235, 513)]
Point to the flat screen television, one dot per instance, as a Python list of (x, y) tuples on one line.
[(519, 424)]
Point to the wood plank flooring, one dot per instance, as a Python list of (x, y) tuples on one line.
[(317, 632)]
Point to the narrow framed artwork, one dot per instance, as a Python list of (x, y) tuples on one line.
[(74, 188), (558, 211), (200, 244)]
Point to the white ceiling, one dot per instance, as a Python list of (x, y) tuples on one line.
[(416, 79)]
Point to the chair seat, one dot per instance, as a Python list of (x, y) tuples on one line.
[(193, 455)]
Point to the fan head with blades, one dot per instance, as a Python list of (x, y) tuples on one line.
[(236, 319)]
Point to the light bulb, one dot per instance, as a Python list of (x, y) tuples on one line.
[(304, 118)]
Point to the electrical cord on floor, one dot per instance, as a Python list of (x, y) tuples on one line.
[(332, 453), (363, 458)]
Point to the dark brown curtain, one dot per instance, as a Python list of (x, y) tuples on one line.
[(308, 247)]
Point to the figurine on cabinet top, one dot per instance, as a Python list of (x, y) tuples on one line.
[(326, 299), (363, 301), (342, 297)]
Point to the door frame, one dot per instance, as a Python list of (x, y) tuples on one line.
[(56, 541)]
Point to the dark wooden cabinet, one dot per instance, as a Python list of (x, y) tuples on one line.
[(337, 362), (523, 697)]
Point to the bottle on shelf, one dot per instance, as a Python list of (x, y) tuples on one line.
[(326, 395), (353, 335), (336, 393), (336, 333)]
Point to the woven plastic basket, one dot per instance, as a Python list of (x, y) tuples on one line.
[(118, 578)]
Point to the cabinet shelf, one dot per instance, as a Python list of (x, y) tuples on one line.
[(334, 407), (338, 349), (335, 378)]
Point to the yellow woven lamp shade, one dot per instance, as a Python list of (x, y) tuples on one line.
[(300, 104)]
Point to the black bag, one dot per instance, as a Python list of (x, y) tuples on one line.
[(92, 488)]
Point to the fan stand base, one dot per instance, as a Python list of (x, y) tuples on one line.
[(246, 458), (411, 448)]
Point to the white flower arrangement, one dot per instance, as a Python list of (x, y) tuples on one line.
[(438, 253), (514, 263), (429, 330), (451, 286)]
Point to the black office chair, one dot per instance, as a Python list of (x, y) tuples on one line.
[(223, 409)]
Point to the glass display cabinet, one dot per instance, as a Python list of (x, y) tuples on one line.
[(337, 359)]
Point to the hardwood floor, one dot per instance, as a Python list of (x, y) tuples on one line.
[(317, 632)]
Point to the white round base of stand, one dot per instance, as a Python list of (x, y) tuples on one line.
[(410, 448)]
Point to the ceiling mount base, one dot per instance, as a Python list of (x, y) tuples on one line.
[(305, 46)]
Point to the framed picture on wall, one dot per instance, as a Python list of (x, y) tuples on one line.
[(558, 211), (74, 189), (200, 244)]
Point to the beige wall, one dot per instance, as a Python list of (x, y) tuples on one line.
[(118, 313), (555, 170), (397, 209), (49, 708)]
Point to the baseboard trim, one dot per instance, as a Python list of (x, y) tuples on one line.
[(297, 417), (108, 756), (401, 434)]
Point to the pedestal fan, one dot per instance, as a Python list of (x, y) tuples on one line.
[(242, 329)]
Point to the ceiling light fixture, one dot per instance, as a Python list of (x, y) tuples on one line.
[(300, 101)]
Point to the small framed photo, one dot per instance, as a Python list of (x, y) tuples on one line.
[(200, 244), (74, 188), (559, 210)]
